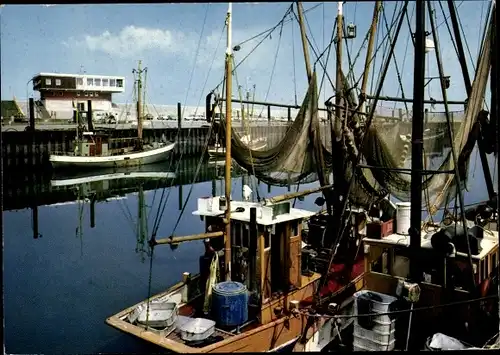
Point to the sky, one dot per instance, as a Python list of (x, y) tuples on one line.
[(183, 45)]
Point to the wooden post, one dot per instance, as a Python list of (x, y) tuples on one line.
[(179, 115), (253, 249), (89, 115), (92, 212), (32, 113), (289, 114), (269, 114)]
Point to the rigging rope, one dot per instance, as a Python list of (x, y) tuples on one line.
[(158, 217)]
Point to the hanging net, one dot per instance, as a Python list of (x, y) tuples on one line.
[(303, 149)]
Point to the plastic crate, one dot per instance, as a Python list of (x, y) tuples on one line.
[(363, 344), (379, 326), (383, 337), (377, 306)]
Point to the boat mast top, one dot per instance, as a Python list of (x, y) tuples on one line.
[(227, 175), (139, 72)]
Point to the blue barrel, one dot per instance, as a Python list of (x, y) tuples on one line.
[(230, 303)]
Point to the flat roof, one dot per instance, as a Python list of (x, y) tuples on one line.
[(80, 75)]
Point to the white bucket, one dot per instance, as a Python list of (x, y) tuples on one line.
[(403, 217)]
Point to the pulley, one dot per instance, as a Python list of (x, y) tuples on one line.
[(351, 31)]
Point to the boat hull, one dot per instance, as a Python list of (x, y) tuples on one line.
[(145, 157)]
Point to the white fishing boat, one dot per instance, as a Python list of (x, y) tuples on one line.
[(95, 150), (148, 155)]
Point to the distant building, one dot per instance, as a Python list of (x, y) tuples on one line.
[(60, 93)]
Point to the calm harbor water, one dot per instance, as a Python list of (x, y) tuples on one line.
[(60, 287)]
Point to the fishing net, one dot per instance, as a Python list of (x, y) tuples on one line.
[(304, 149)]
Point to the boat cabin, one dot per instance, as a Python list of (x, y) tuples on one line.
[(266, 256), (100, 144)]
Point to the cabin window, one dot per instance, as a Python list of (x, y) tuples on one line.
[(90, 81), (58, 82), (105, 82), (96, 94), (61, 93), (119, 83), (78, 94), (97, 82), (48, 81), (79, 81), (86, 94), (112, 82), (91, 94)]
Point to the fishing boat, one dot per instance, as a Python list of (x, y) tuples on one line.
[(309, 279), (94, 150)]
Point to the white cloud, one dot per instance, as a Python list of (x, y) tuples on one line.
[(132, 40)]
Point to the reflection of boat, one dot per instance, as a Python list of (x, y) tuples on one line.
[(254, 144), (113, 176), (95, 150), (152, 171)]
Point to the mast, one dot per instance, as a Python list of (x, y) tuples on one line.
[(417, 141), (338, 83), (139, 102), (369, 51), (227, 175), (304, 41)]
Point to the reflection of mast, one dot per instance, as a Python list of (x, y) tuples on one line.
[(141, 220)]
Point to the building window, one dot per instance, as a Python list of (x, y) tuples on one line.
[(97, 82), (58, 82), (79, 81), (104, 82), (48, 82), (90, 81), (119, 83), (112, 82), (96, 94), (78, 94)]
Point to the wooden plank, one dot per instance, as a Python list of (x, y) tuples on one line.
[(295, 261)]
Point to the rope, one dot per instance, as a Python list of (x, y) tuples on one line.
[(274, 67), (158, 216), (402, 311), (247, 130)]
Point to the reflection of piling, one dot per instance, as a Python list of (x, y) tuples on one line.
[(180, 197), (34, 211), (92, 212)]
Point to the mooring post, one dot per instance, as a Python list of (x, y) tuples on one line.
[(89, 116), (179, 115), (32, 144), (32, 113)]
